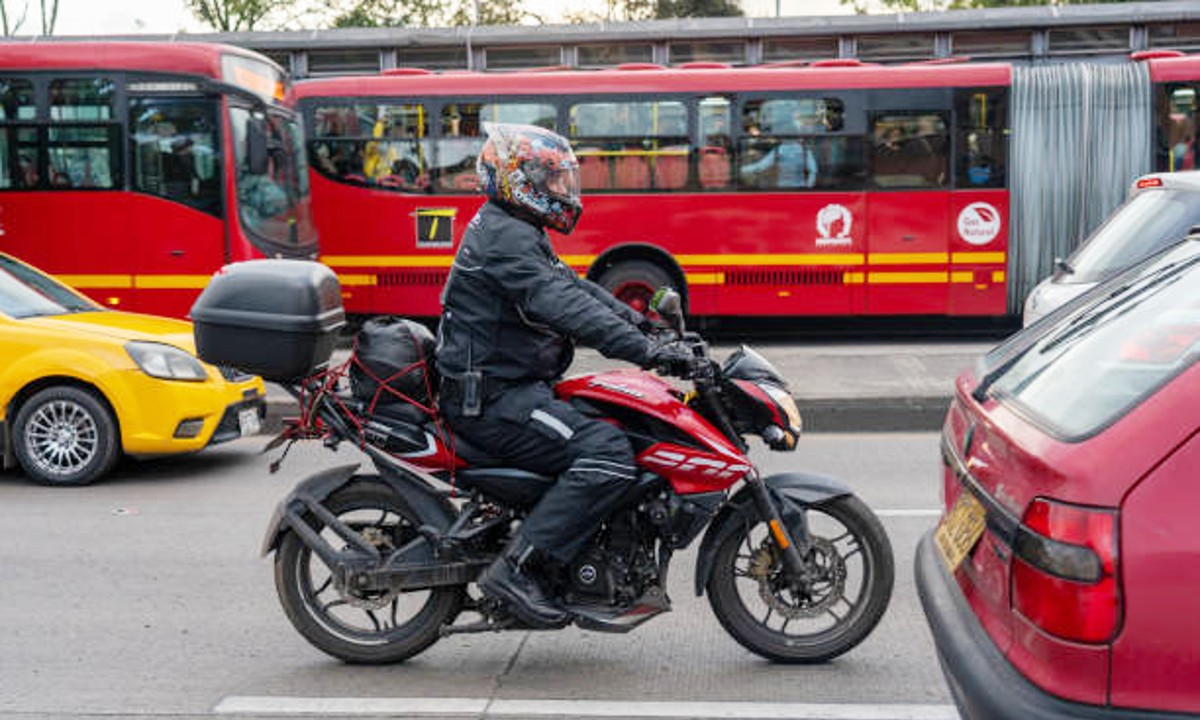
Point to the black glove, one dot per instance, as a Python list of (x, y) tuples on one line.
[(651, 327), (673, 359)]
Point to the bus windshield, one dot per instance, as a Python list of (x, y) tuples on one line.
[(274, 205)]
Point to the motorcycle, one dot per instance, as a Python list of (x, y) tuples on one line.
[(374, 567)]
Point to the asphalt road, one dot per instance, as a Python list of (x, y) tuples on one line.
[(145, 595)]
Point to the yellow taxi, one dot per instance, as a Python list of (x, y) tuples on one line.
[(80, 385)]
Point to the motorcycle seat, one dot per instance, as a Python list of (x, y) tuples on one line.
[(512, 485)]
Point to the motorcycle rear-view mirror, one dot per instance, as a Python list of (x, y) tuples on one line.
[(667, 303)]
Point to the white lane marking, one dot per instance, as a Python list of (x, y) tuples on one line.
[(909, 512), (484, 708)]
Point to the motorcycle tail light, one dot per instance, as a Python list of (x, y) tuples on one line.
[(1064, 570)]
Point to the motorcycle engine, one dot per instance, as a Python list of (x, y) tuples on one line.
[(619, 564)]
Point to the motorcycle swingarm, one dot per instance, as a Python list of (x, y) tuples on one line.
[(791, 493)]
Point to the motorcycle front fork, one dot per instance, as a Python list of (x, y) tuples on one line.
[(792, 541)]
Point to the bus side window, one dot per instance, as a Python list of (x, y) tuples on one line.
[(980, 129), (380, 145), (910, 151), (631, 145), (1176, 110), (84, 141), (461, 137), (175, 155), (797, 143), (19, 161)]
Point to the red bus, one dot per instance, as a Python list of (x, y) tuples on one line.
[(832, 189), (134, 170)]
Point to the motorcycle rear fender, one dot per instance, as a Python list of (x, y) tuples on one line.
[(791, 492), (426, 503)]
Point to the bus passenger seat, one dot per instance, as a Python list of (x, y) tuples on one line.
[(593, 172), (670, 172), (714, 168), (632, 173)]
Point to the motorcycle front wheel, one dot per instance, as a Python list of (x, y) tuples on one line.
[(849, 585), (362, 628)]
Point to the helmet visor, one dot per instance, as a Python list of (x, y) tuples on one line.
[(564, 181)]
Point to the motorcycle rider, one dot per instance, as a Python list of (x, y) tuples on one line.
[(512, 311)]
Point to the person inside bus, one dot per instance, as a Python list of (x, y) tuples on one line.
[(512, 312), (792, 161)]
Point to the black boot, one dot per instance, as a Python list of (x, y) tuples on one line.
[(507, 579)]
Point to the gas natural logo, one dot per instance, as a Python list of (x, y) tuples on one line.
[(695, 463), (979, 223)]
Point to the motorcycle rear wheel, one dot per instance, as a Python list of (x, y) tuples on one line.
[(354, 627), (851, 558)]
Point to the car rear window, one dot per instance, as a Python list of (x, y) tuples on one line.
[(1095, 365), (1146, 224)]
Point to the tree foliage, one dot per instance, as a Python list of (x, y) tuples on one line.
[(236, 15)]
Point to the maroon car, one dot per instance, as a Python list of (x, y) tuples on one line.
[(1063, 580)]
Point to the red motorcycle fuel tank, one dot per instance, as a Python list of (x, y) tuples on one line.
[(713, 466)]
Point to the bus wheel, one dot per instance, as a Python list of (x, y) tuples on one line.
[(634, 282)]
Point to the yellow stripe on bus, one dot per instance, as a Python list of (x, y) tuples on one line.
[(933, 258), (998, 276), (889, 278), (853, 278), (742, 260), (962, 276), (97, 281), (978, 257), (171, 282), (358, 279), (404, 261), (716, 278)]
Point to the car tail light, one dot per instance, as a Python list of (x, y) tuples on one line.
[(1064, 571), (1149, 183)]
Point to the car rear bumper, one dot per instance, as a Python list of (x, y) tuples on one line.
[(984, 684)]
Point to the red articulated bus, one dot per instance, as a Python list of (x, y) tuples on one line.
[(133, 170), (832, 189)]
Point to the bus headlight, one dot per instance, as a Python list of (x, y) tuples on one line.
[(166, 362)]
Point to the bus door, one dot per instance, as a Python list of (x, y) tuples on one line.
[(979, 217), (176, 178), (908, 213)]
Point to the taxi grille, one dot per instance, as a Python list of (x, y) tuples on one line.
[(232, 374)]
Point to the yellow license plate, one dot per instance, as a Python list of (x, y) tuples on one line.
[(961, 529)]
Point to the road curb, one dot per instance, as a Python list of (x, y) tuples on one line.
[(821, 415)]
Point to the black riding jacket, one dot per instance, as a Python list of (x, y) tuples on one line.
[(512, 309)]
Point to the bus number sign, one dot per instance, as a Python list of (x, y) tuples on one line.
[(435, 227)]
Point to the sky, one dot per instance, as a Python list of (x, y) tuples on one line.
[(112, 17)]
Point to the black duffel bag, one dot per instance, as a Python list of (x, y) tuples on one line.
[(396, 354)]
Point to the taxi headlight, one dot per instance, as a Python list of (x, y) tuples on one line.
[(166, 362)]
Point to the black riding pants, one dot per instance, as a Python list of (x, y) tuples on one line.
[(526, 426)]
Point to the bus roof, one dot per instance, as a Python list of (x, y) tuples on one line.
[(664, 80), (1167, 69), (166, 57)]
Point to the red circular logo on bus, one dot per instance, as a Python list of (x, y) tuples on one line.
[(979, 223)]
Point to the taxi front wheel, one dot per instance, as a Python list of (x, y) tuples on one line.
[(65, 435)]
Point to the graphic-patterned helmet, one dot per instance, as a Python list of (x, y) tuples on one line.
[(532, 171)]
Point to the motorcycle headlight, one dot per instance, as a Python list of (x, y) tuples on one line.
[(166, 362), (787, 403)]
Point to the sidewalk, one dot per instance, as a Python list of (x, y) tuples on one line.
[(841, 387)]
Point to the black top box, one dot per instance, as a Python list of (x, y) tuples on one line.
[(276, 318)]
